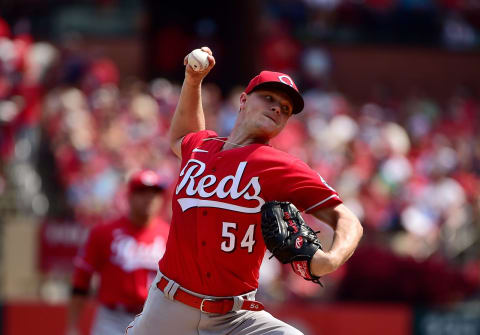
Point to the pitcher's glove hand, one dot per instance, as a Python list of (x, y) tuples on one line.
[(288, 237)]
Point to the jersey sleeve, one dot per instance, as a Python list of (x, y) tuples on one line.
[(194, 140), (88, 260), (296, 182)]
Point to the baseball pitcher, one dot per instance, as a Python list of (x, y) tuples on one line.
[(236, 197)]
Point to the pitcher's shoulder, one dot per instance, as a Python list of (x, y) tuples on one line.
[(269, 153)]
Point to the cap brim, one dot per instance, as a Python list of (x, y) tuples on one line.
[(296, 97)]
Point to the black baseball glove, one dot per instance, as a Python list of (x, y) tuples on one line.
[(288, 237)]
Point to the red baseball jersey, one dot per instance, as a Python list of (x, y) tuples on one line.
[(216, 245), (125, 257)]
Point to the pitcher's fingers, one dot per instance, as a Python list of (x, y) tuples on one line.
[(207, 50), (211, 62)]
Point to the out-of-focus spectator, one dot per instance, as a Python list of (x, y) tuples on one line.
[(374, 273), (457, 32), (227, 113), (279, 51)]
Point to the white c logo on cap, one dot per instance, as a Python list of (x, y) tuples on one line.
[(286, 80)]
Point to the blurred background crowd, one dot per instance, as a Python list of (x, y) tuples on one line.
[(404, 156)]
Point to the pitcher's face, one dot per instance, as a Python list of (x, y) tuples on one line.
[(265, 112)]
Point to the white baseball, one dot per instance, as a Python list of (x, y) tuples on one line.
[(198, 60)]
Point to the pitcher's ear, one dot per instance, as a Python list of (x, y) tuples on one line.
[(243, 100)]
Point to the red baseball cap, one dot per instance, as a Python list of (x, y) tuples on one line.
[(280, 81), (144, 179)]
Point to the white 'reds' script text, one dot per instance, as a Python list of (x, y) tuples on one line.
[(197, 184)]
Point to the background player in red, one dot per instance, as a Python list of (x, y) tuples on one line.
[(124, 254), (209, 274)]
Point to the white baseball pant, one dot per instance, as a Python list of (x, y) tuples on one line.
[(162, 316), (110, 322)]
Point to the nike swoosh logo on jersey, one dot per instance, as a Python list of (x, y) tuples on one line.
[(199, 150)]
